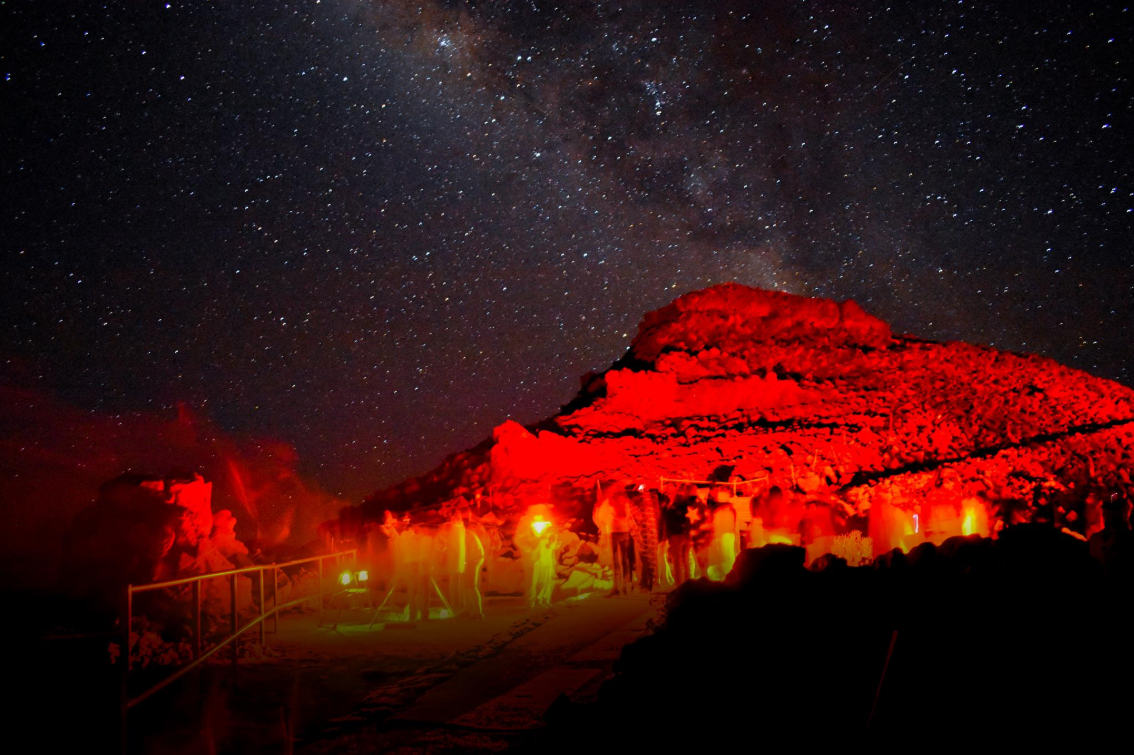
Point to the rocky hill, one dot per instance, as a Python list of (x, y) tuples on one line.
[(819, 398)]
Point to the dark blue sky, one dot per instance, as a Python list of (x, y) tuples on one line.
[(378, 229)]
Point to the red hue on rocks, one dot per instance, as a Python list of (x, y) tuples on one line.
[(812, 395)]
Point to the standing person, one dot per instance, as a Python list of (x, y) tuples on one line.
[(1113, 545), (677, 525), (612, 517), (755, 536), (722, 547), (817, 523), (537, 542), (488, 530), (1092, 514), (768, 513), (469, 581), (382, 542), (398, 574), (646, 514), (454, 557), (417, 554), (743, 506), (700, 531)]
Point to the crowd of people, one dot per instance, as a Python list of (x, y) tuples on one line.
[(648, 538), (684, 531), (443, 562), (447, 558)]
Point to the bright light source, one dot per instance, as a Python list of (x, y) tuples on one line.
[(540, 525), (345, 578), (363, 576)]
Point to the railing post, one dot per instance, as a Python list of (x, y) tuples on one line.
[(196, 619), (235, 639), (320, 584), (124, 657), (275, 601), (260, 589), (129, 621)]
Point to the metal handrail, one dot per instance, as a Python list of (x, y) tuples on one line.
[(235, 631), (228, 572), (212, 651)]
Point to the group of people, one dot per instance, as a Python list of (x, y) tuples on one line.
[(447, 561), (421, 559), (650, 538), (537, 543), (628, 518), (692, 530)]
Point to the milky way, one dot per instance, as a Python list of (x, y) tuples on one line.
[(378, 229)]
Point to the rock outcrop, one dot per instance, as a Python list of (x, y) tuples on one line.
[(817, 397), (147, 529)]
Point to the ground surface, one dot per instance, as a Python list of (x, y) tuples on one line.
[(428, 686)]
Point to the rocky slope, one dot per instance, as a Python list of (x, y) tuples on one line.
[(814, 396)]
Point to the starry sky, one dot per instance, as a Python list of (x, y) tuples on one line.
[(375, 230)]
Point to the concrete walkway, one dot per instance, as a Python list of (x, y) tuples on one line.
[(310, 676), (486, 705)]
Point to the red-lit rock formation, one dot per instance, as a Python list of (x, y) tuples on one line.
[(146, 529), (818, 397)]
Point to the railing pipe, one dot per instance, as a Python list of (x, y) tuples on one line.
[(275, 601), (242, 570), (260, 600), (233, 619), (197, 620), (199, 654)]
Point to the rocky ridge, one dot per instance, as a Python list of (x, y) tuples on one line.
[(814, 396)]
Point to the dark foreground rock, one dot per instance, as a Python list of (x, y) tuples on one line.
[(1024, 640)]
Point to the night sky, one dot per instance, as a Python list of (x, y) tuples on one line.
[(375, 230)]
